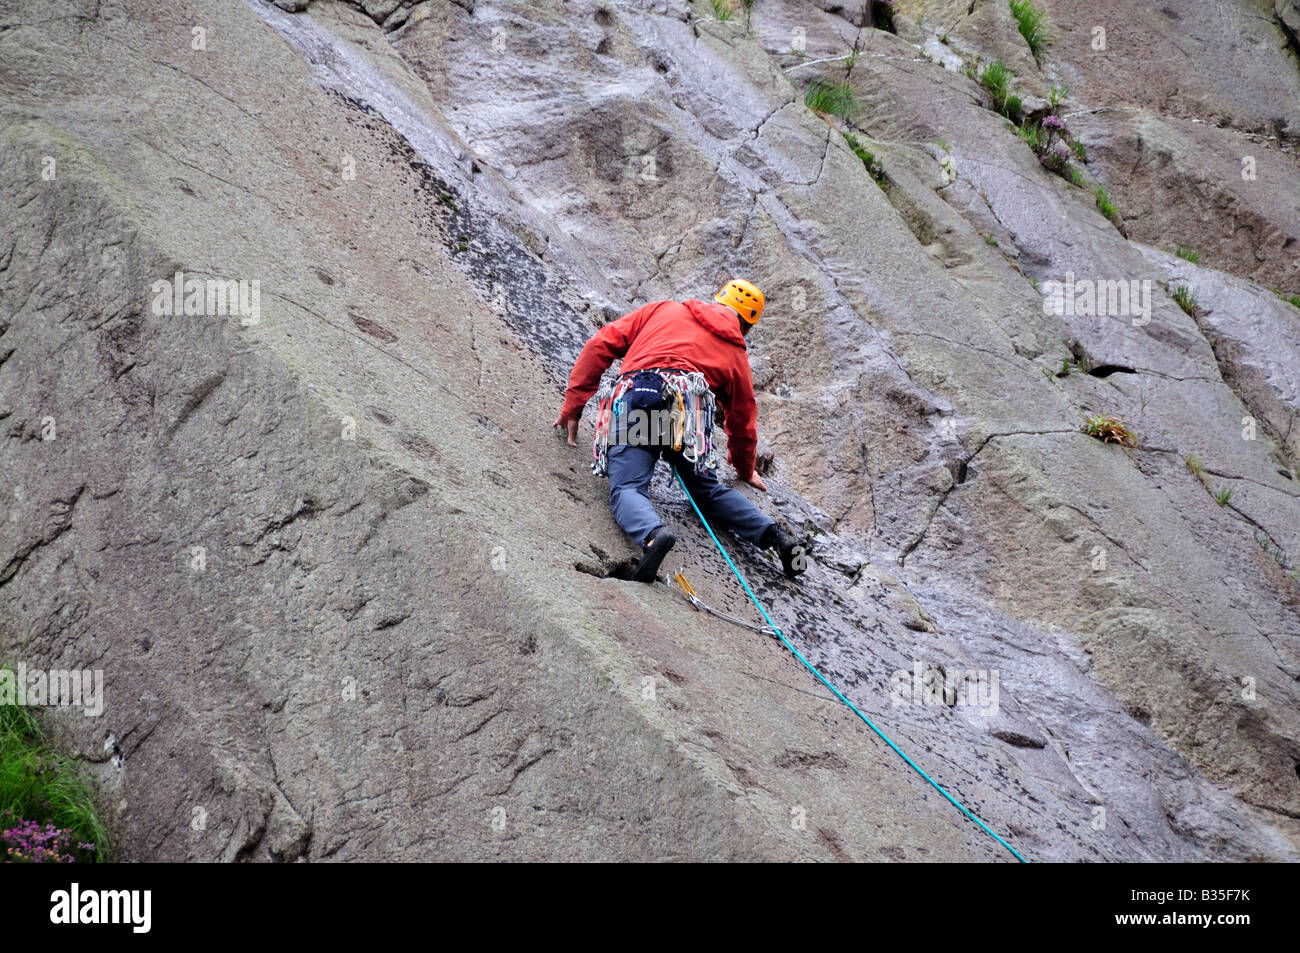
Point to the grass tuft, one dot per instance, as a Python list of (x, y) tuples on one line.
[(874, 168), (830, 98), (723, 11), (1104, 204), (1109, 429), (1030, 20), (1034, 134), (1187, 253), (1186, 299), (997, 80)]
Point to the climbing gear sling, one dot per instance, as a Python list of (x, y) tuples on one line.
[(838, 694), (685, 393)]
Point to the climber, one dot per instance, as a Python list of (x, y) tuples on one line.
[(678, 338)]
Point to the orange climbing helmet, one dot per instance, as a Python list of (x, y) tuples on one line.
[(743, 298)]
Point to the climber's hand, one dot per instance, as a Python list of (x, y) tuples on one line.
[(572, 423), (756, 482)]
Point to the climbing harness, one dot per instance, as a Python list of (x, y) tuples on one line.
[(838, 694), (699, 603), (693, 408)]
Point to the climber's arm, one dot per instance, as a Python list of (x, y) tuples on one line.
[(603, 348), (741, 424)]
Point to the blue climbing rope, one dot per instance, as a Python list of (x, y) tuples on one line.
[(838, 694)]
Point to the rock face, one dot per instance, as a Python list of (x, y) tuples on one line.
[(353, 600)]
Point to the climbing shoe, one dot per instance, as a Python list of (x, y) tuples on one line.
[(655, 549), (794, 558)]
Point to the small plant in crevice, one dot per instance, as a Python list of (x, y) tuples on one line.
[(1279, 555), (1197, 467), (723, 11), (830, 98), (1109, 429), (1281, 558), (1057, 159), (1104, 204), (1033, 135), (1049, 139), (1186, 299), (1068, 367), (851, 61), (1029, 18), (873, 166), (996, 78), (1293, 300), (1277, 552), (1055, 127), (1187, 253)]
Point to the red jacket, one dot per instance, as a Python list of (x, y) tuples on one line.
[(690, 335)]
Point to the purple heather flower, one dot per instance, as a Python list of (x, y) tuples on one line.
[(29, 842), (1053, 122)]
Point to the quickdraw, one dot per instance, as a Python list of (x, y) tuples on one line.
[(693, 417), (699, 604)]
